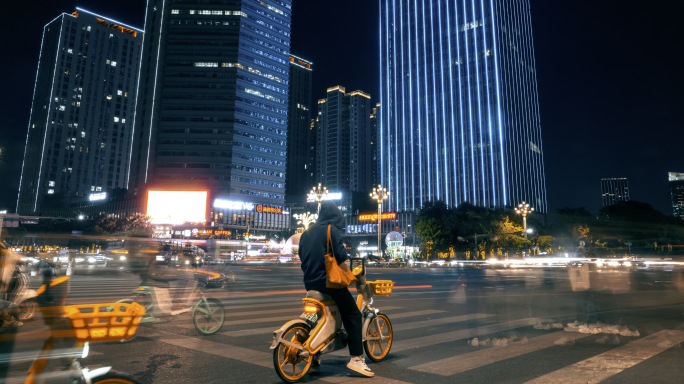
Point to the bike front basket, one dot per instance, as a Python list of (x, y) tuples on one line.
[(106, 321), (381, 287)]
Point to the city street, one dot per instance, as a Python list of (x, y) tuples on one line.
[(460, 325)]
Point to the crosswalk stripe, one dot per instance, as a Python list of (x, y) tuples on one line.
[(425, 341), (266, 330), (465, 362), (610, 363), (257, 320), (250, 356), (440, 321)]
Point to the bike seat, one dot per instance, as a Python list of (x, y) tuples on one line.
[(318, 295)]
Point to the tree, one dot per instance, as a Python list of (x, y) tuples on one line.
[(431, 227), (136, 224)]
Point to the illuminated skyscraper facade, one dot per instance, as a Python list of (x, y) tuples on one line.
[(459, 116), (614, 189), (213, 100), (344, 142), (300, 136), (676, 180), (79, 137)]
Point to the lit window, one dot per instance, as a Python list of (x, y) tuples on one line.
[(50, 191), (51, 183)]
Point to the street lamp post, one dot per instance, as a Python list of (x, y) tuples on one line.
[(524, 209), (379, 194), (318, 193)]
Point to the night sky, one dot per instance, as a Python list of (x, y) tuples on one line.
[(610, 77)]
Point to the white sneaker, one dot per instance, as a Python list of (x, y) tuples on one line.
[(358, 365)]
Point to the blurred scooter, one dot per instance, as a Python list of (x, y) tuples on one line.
[(21, 297)]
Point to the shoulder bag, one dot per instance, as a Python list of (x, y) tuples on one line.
[(337, 275)]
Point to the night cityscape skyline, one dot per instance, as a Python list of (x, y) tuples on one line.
[(599, 118)]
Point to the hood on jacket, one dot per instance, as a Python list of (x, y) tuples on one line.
[(330, 214)]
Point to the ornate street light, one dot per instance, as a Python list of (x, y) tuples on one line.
[(524, 209), (379, 194), (306, 219), (318, 193)]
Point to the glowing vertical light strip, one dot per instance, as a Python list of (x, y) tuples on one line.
[(539, 164), (502, 161), (442, 185), (135, 108), (416, 176), (154, 88), (431, 138), (461, 114), (482, 195), (408, 168), (49, 118), (471, 134), (400, 143), (424, 160), (382, 112), (452, 167), (490, 137), (35, 86), (395, 108)]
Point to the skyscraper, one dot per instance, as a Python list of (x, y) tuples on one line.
[(614, 189), (344, 141), (213, 100), (459, 106), (300, 140), (676, 180), (81, 122)]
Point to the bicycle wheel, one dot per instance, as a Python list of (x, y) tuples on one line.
[(378, 340), (27, 310), (288, 361), (114, 377), (208, 316)]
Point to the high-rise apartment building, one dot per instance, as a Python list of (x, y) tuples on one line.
[(459, 105), (300, 139), (212, 109), (81, 122), (344, 152), (614, 189), (676, 180)]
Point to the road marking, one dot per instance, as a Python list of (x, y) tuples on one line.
[(610, 363), (262, 359), (268, 330), (465, 362), (426, 341), (440, 321), (187, 324)]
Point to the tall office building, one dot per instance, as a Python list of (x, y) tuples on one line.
[(213, 104), (676, 180), (614, 189), (459, 105), (344, 141), (300, 140), (81, 122)]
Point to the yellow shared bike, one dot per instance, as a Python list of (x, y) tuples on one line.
[(319, 328)]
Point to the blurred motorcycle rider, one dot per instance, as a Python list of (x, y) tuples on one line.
[(312, 249)]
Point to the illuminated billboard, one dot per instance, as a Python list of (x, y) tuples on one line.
[(177, 207)]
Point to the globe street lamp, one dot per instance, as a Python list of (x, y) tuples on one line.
[(524, 209), (318, 193), (379, 194)]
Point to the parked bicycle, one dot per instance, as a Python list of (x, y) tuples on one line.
[(72, 328), (207, 313)]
